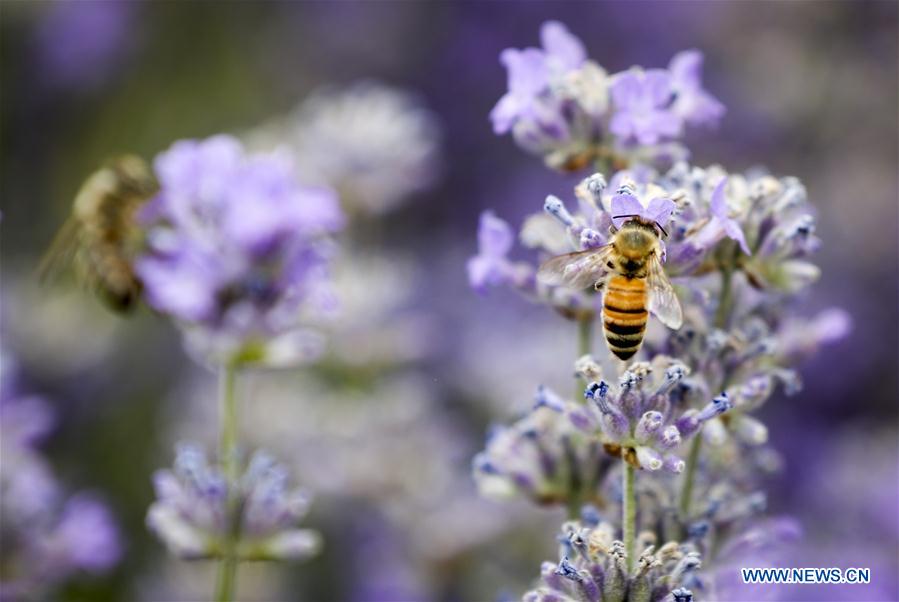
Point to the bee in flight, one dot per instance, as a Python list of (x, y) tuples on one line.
[(629, 272), (101, 237)]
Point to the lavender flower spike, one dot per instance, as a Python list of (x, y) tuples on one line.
[(191, 516), (238, 252)]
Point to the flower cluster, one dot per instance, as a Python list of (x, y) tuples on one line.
[(192, 517), (237, 252), (569, 110), (594, 566), (737, 249), (635, 419), (543, 457), (48, 537), (562, 451), (374, 144)]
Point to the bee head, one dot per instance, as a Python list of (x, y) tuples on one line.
[(637, 218)]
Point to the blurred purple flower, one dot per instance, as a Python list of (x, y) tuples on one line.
[(238, 251), (80, 44), (46, 537), (693, 103), (490, 267), (532, 70), (190, 514), (86, 537), (527, 78), (643, 107)]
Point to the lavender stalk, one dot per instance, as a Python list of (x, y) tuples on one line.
[(227, 570)]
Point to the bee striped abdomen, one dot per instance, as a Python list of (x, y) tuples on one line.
[(624, 315)]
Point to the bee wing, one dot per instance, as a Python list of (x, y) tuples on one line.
[(662, 298), (577, 270), (60, 256)]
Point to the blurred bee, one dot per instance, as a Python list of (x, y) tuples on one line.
[(101, 237), (629, 270)]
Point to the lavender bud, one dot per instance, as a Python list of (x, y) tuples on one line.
[(648, 426), (649, 458), (591, 239), (567, 570), (750, 430), (670, 437), (681, 594), (597, 392), (546, 397), (673, 375), (716, 407), (556, 208), (674, 464), (596, 184)]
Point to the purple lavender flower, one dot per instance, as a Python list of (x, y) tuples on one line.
[(634, 420), (643, 107), (490, 267), (191, 511), (721, 224), (85, 538), (594, 566), (532, 70), (626, 206), (47, 537), (81, 44), (238, 252), (527, 78), (693, 103), (543, 457), (561, 105), (555, 99)]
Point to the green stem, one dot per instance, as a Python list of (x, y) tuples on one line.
[(584, 346), (724, 304), (227, 570), (574, 506), (629, 512)]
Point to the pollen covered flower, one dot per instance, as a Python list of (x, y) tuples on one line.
[(191, 511), (238, 252)]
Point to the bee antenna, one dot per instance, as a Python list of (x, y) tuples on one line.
[(662, 229), (630, 215)]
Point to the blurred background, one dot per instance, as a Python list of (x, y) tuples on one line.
[(384, 428)]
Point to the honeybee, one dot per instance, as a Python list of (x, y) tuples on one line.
[(101, 237), (629, 272)]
